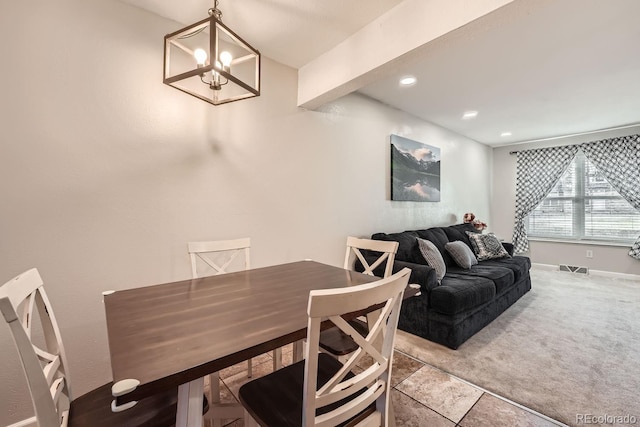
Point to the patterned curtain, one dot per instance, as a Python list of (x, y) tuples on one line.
[(536, 174), (618, 159)]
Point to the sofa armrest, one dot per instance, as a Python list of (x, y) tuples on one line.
[(421, 274), (508, 247)]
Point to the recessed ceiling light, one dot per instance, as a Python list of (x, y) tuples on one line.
[(469, 115), (506, 134), (408, 80)]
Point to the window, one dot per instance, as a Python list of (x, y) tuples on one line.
[(583, 206)]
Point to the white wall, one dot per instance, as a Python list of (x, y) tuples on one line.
[(605, 258), (106, 173)]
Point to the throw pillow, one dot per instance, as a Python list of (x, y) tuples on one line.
[(487, 246), (433, 257), (461, 254)]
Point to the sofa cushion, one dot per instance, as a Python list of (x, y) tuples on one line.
[(487, 246), (458, 293), (408, 245), (459, 232), (520, 265), (432, 256), (502, 277), (461, 254), (438, 237)]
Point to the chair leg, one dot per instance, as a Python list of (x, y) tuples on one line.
[(277, 358), (249, 421), (299, 350), (249, 368), (214, 393), (214, 387)]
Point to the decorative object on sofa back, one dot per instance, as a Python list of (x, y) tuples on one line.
[(487, 246), (433, 257), (470, 217), (479, 225), (461, 254)]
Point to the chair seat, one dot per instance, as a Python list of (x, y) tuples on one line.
[(275, 400), (336, 342), (94, 410)]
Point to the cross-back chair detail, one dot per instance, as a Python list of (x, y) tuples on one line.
[(231, 248), (388, 252), (22, 301), (28, 312), (333, 340), (364, 396), (376, 378)]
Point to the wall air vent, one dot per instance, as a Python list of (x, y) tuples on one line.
[(574, 269)]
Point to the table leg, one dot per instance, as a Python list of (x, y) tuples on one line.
[(189, 412)]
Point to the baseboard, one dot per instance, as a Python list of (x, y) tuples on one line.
[(602, 273), (614, 274), (545, 267)]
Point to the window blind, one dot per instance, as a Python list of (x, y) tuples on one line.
[(583, 205)]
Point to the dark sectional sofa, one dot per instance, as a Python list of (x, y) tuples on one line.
[(465, 301)]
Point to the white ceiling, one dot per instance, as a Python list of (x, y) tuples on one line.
[(292, 32), (538, 69)]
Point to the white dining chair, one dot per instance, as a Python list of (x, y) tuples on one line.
[(320, 390), (218, 257), (27, 311), (333, 340), (226, 252), (386, 252)]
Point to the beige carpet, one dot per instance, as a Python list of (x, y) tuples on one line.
[(568, 348)]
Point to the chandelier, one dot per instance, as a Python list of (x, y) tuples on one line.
[(211, 62)]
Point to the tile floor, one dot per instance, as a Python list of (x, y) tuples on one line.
[(422, 396)]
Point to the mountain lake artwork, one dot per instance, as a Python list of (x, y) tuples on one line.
[(415, 171)]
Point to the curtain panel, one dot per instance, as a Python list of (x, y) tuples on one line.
[(536, 174), (618, 159)]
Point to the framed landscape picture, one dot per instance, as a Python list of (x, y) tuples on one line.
[(415, 170)]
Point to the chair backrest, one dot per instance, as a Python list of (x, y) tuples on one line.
[(27, 310), (388, 252), (371, 385), (224, 251)]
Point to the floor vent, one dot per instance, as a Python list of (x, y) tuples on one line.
[(574, 269)]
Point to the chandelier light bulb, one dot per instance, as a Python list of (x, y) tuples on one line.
[(201, 57), (226, 58)]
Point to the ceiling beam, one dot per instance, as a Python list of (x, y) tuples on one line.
[(382, 47)]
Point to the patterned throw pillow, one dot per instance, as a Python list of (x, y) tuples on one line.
[(487, 246), (433, 257), (461, 254)]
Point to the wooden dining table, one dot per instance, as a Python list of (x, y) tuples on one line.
[(172, 335)]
